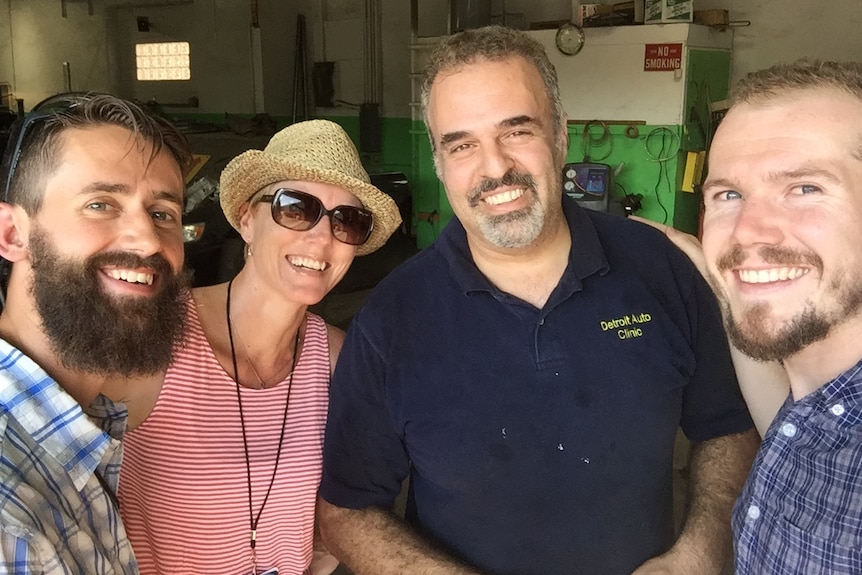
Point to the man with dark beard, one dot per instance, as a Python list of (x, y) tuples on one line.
[(781, 242), (90, 224), (529, 371)]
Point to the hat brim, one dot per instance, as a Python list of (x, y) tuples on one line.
[(252, 170)]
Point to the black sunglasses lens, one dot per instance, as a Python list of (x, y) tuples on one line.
[(296, 211), (351, 225), (300, 212), (21, 131)]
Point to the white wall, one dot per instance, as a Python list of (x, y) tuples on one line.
[(98, 46), (780, 30), (278, 44), (653, 97), (785, 30), (7, 74), (100, 49), (221, 58), (396, 59), (41, 40), (337, 34)]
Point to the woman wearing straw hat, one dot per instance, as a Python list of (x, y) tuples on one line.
[(221, 474)]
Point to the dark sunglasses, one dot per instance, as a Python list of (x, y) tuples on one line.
[(300, 212), (47, 108), (19, 133)]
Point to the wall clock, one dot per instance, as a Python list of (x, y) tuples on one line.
[(570, 39)]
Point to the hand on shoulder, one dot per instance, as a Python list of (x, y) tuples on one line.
[(689, 244)]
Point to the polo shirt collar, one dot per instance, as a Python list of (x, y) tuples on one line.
[(50, 416), (587, 256)]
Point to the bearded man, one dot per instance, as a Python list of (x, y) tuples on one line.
[(782, 229), (529, 371), (91, 234)]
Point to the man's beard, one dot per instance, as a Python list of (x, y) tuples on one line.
[(750, 332), (515, 229), (93, 332), (750, 335)]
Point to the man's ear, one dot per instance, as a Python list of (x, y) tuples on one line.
[(14, 229)]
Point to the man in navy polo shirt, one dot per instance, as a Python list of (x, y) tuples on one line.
[(528, 372)]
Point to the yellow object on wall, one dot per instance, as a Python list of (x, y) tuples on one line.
[(693, 174)]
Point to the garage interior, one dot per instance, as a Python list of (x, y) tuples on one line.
[(639, 121)]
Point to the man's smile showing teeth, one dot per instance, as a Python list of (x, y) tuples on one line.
[(503, 197), (770, 275), (308, 263), (131, 276)]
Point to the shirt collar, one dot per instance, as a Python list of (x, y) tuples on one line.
[(846, 390), (847, 386), (587, 257), (50, 415)]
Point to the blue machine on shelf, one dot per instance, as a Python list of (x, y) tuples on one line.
[(588, 184)]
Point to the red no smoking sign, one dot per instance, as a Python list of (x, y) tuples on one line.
[(662, 57)]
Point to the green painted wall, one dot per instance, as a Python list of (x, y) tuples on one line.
[(647, 157)]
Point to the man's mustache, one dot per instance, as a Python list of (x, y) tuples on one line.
[(774, 255), (510, 178)]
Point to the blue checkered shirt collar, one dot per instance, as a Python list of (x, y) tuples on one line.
[(50, 415), (59, 470)]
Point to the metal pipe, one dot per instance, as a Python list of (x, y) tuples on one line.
[(304, 54), (162, 4), (255, 14), (323, 19), (373, 77), (300, 91), (369, 50)]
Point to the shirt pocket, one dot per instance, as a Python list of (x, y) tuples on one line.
[(815, 554)]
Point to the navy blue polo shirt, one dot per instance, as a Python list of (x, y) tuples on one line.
[(537, 441)]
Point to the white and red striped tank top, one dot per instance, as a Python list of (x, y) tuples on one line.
[(183, 487)]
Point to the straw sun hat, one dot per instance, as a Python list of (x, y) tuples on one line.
[(312, 151)]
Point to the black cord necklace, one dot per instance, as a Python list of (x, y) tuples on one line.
[(253, 520)]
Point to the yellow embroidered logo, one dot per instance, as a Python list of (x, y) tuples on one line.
[(627, 326)]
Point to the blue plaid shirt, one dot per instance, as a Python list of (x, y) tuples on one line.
[(801, 510), (55, 515)]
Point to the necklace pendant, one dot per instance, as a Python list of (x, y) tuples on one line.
[(254, 568)]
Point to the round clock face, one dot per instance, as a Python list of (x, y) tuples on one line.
[(570, 39)]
